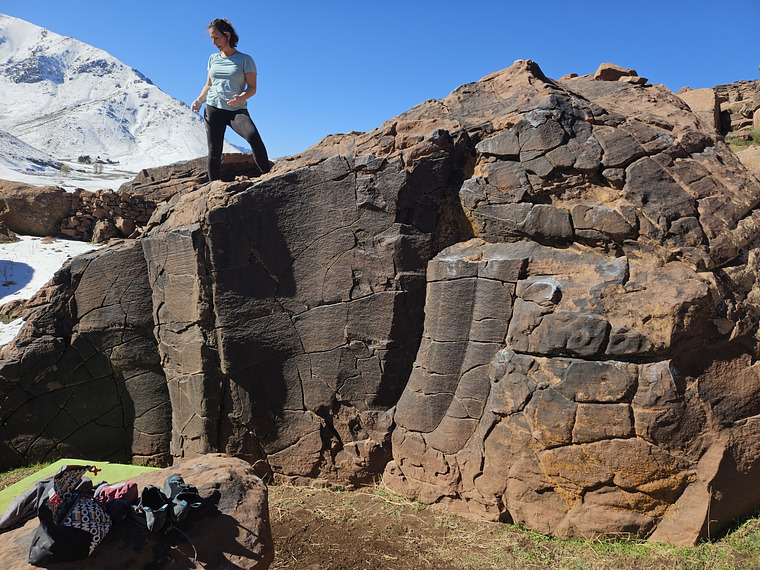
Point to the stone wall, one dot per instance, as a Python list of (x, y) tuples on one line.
[(102, 215), (79, 215)]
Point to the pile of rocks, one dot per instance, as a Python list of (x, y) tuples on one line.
[(738, 105), (102, 215)]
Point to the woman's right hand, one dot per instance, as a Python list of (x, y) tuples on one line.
[(196, 106)]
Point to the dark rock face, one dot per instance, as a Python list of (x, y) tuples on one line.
[(294, 310), (531, 301), (35, 69), (84, 377), (287, 315)]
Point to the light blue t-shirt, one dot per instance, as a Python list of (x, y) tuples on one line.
[(228, 78)]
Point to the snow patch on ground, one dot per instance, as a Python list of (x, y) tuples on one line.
[(79, 176), (27, 265)]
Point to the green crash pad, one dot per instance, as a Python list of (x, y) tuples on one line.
[(111, 472)]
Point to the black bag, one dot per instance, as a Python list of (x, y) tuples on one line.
[(72, 524)]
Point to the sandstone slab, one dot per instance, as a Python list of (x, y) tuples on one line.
[(704, 103)]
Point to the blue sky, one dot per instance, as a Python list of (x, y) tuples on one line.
[(337, 66)]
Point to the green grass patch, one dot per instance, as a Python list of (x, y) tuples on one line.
[(742, 144)]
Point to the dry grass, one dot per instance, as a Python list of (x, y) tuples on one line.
[(373, 528), (10, 477)]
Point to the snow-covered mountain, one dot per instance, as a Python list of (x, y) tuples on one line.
[(17, 155), (69, 99)]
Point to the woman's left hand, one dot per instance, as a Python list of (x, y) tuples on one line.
[(235, 101)]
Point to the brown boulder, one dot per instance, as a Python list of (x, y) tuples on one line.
[(611, 72), (104, 230), (704, 104), (533, 300), (31, 210), (230, 530), (562, 390)]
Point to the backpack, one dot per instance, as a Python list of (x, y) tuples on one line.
[(71, 523)]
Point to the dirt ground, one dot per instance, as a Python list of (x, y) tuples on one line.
[(373, 529), (319, 528)]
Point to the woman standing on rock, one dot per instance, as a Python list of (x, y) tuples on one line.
[(231, 80)]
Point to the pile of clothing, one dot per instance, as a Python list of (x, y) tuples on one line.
[(75, 516)]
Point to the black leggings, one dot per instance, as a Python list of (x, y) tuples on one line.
[(217, 121)]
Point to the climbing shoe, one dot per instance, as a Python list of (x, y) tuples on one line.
[(155, 506), (182, 496)]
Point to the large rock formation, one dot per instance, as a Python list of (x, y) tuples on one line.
[(282, 317), (84, 378), (597, 373), (533, 300)]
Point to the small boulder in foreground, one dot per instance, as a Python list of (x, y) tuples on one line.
[(230, 530)]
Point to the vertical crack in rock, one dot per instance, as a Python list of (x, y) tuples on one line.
[(177, 268)]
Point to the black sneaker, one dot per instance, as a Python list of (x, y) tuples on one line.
[(155, 505), (182, 496)]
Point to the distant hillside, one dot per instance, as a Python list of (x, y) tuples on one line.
[(17, 155)]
